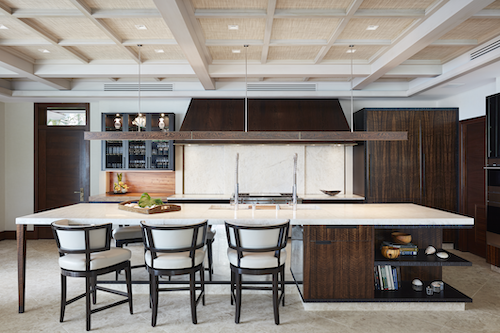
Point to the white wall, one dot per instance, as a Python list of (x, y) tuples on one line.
[(18, 159), (472, 103), (2, 166)]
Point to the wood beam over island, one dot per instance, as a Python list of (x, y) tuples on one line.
[(332, 227)]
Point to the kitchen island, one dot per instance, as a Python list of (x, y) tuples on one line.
[(327, 226)]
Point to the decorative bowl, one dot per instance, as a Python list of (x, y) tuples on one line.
[(331, 193), (390, 252), (401, 237)]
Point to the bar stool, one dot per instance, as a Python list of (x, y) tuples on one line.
[(124, 235), (85, 251), (175, 250), (257, 250)]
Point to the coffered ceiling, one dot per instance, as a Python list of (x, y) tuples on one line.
[(74, 49)]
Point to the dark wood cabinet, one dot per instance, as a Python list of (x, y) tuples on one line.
[(493, 126), (338, 262), (422, 170)]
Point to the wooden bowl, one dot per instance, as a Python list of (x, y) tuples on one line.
[(401, 237), (390, 252)]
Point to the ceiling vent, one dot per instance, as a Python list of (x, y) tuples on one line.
[(135, 87), (281, 86), (484, 50)]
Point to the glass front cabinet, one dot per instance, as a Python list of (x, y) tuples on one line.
[(138, 154)]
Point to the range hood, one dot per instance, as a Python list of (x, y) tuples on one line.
[(222, 121)]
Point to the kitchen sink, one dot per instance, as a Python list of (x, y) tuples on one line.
[(264, 207)]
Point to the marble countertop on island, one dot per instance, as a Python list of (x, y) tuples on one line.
[(398, 214)]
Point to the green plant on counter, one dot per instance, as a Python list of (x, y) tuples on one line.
[(147, 201), (120, 186)]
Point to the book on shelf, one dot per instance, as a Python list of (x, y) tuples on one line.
[(404, 249), (386, 277)]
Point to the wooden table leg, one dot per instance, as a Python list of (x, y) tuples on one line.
[(21, 264)]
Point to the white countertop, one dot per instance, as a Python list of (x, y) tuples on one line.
[(306, 214)]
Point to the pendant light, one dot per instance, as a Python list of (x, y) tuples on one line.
[(246, 87), (140, 120)]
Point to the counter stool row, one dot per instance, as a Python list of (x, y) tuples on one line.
[(170, 250)]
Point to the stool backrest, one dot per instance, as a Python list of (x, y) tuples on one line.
[(161, 238), (246, 237)]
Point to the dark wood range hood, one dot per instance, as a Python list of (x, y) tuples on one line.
[(222, 121)]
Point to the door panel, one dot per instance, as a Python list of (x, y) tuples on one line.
[(61, 163)]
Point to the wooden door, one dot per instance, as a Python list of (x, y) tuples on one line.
[(393, 166), (472, 184), (62, 170)]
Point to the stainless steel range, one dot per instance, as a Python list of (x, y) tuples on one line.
[(264, 198)]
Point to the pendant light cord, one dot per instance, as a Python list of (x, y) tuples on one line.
[(246, 87), (352, 98), (139, 86)]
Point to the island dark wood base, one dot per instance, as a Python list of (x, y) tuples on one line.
[(21, 264)]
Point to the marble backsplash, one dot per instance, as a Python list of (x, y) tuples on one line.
[(266, 168)]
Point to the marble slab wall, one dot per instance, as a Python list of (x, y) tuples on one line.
[(266, 168)]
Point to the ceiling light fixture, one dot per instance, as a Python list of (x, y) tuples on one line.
[(3, 27), (236, 51), (44, 50), (352, 97), (372, 27), (160, 51), (141, 27), (246, 88), (140, 120), (233, 27)]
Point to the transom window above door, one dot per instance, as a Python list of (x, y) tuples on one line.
[(66, 117)]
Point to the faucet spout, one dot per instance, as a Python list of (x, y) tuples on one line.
[(294, 186)]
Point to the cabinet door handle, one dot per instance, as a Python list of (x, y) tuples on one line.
[(323, 242), (341, 226), (423, 174)]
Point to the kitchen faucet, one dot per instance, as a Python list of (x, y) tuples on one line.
[(236, 185)]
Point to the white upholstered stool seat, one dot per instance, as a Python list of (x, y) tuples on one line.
[(178, 260), (127, 232), (98, 260), (256, 260)]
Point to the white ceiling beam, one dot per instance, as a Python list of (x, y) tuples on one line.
[(177, 19), (108, 70), (98, 13), (5, 84), (447, 17), (124, 13), (455, 42), (230, 13), (86, 10), (473, 65), (308, 13), (271, 7), (488, 13), (340, 28), (391, 13), (24, 42), (26, 69), (296, 42), (198, 30)]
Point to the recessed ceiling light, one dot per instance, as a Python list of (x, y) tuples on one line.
[(233, 27), (236, 51), (3, 26), (159, 51), (351, 50), (44, 50), (141, 27), (372, 27)]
